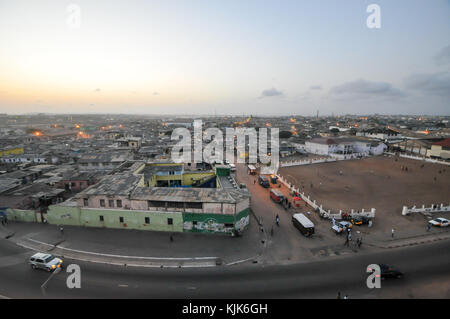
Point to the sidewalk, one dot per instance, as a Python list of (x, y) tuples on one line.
[(411, 240), (140, 248)]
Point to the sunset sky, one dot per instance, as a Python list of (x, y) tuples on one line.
[(261, 57)]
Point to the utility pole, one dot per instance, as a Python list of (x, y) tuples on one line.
[(44, 285)]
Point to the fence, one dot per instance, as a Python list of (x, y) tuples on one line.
[(322, 212), (432, 209), (417, 158), (333, 158)]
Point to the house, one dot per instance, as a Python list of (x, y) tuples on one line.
[(125, 200), (379, 133), (440, 149), (328, 146), (102, 161)]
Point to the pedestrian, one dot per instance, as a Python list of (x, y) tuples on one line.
[(277, 220), (171, 238), (393, 231), (346, 241), (428, 227), (333, 221), (349, 235), (261, 228), (61, 229), (254, 181), (339, 295)]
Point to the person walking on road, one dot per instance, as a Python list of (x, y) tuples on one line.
[(393, 231), (428, 227), (277, 220)]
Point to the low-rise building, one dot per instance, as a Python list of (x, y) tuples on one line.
[(127, 200)]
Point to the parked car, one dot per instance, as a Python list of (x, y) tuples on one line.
[(45, 261), (263, 181), (341, 227), (360, 220), (233, 167), (440, 222)]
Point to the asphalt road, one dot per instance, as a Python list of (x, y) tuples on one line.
[(426, 268)]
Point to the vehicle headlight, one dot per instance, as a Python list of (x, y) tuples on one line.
[(53, 266)]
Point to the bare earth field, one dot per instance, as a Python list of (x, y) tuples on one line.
[(377, 182)]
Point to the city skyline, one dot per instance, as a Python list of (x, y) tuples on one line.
[(215, 57)]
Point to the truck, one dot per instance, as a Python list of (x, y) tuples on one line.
[(251, 170), (276, 196)]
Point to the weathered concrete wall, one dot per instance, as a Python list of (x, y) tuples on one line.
[(20, 215), (432, 209), (132, 219)]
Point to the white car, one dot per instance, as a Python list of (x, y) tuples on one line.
[(233, 167), (341, 227), (45, 261), (440, 222)]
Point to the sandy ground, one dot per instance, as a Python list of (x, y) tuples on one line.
[(377, 182)]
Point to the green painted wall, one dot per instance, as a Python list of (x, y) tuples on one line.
[(135, 219), (215, 223), (20, 215), (132, 219)]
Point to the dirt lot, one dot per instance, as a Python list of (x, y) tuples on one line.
[(376, 182)]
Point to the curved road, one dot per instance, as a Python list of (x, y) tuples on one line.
[(426, 268)]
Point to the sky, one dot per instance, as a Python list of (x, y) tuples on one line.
[(259, 57)]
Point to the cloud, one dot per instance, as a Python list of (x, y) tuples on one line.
[(271, 92), (431, 84), (155, 93), (316, 87), (443, 56), (97, 90), (365, 89)]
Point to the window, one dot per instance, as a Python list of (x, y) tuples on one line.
[(194, 205), (101, 218), (102, 202), (111, 203), (155, 203), (229, 225), (175, 204), (119, 203), (85, 202), (170, 221), (121, 219), (147, 220)]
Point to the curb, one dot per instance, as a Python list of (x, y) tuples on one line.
[(410, 243), (146, 262)]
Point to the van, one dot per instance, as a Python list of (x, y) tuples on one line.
[(276, 196), (263, 181), (303, 224)]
